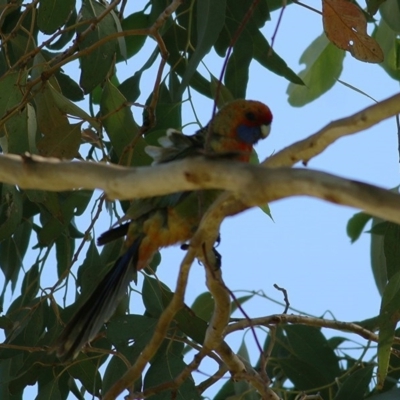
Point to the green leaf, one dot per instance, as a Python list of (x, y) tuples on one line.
[(8, 368), (68, 34), (134, 43), (130, 89), (174, 39), (243, 390), (10, 210), (390, 12), (15, 129), (68, 107), (63, 142), (115, 369), (224, 95), (164, 368), (310, 346), (49, 391), (373, 6), (52, 14), (69, 88), (155, 296), (392, 249), (237, 71), (88, 272), (30, 284), (378, 259), (324, 64), (65, 247), (389, 315), (122, 329), (267, 57), (10, 262), (356, 225), (168, 111), (390, 45), (121, 127), (87, 373), (355, 387), (102, 56), (72, 203), (240, 300), (304, 375), (203, 306), (210, 16)]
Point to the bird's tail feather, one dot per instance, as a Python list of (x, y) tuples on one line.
[(100, 306)]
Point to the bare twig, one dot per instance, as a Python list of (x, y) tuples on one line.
[(285, 297)]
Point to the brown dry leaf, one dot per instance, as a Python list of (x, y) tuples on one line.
[(346, 27)]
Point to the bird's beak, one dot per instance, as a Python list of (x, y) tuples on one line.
[(265, 130)]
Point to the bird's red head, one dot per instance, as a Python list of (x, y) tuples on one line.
[(239, 125)]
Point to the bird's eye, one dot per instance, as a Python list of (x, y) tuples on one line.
[(250, 116)]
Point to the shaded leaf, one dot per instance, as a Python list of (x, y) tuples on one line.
[(356, 224), (389, 315), (392, 249), (378, 259), (390, 12), (310, 346), (67, 35), (52, 14), (373, 5), (102, 56), (210, 19), (15, 129), (356, 385), (324, 63), (10, 210), (134, 43), (237, 71), (203, 306), (121, 127), (87, 373), (390, 45)]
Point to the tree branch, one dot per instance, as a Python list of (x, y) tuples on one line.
[(254, 185), (315, 144)]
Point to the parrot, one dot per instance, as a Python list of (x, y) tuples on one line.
[(153, 223)]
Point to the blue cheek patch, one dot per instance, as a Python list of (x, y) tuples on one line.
[(249, 134)]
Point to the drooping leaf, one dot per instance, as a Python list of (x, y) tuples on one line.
[(102, 56), (389, 315), (10, 210), (390, 44), (210, 19), (378, 259), (203, 306), (237, 71), (15, 131), (390, 12), (356, 224), (121, 127), (52, 14), (355, 387), (324, 63), (134, 43), (373, 5)]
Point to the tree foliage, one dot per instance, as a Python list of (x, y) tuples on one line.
[(41, 113)]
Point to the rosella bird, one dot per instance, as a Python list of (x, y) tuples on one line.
[(158, 222)]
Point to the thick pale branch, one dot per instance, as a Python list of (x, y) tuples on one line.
[(254, 185)]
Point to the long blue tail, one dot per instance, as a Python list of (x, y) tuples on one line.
[(100, 306)]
